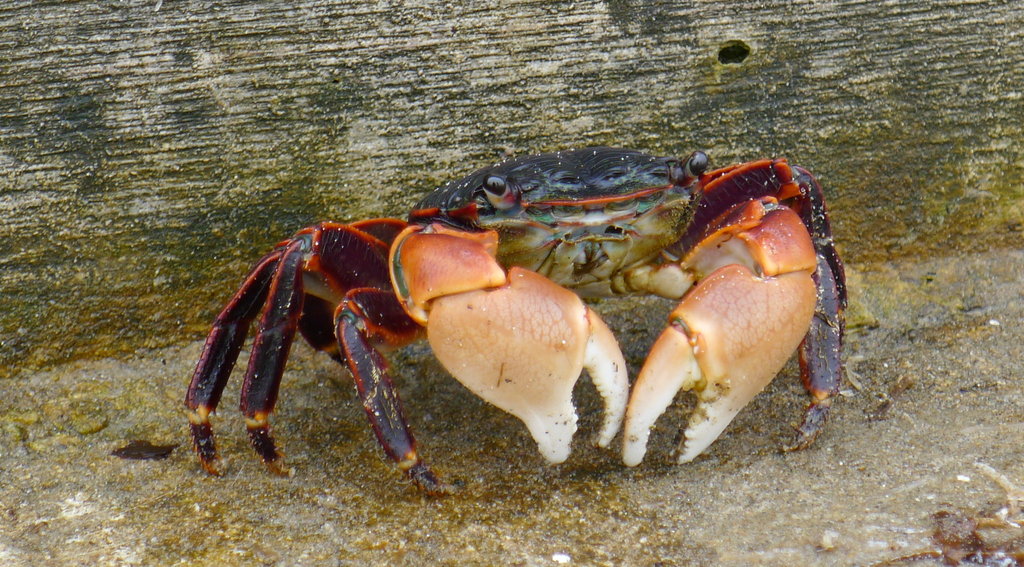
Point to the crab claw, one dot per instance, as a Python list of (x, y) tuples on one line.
[(522, 347), (729, 336)]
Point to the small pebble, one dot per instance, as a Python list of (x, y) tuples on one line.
[(144, 450), (828, 540)]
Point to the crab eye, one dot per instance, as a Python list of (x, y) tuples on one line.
[(494, 185), (697, 163), (498, 193), (684, 174)]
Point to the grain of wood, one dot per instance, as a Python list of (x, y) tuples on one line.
[(149, 151)]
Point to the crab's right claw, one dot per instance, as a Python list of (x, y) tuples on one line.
[(517, 340), (522, 347)]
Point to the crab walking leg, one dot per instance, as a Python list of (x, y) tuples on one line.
[(369, 316), (522, 347), (270, 349), (342, 258), (821, 352), (219, 355), (727, 339)]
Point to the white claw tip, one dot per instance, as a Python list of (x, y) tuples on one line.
[(633, 451), (553, 434)]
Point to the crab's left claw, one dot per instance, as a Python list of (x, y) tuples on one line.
[(729, 336), (522, 347)]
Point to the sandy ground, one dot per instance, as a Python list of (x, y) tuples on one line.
[(935, 367)]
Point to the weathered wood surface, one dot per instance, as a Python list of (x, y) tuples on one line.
[(150, 150)]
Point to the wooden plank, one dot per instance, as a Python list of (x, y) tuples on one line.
[(149, 151)]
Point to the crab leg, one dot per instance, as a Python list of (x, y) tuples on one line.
[(821, 351), (270, 349), (219, 356), (821, 357), (366, 318), (343, 257), (732, 333)]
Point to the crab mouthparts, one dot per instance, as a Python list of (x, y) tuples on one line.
[(603, 210)]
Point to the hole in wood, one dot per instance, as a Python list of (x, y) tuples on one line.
[(733, 52)]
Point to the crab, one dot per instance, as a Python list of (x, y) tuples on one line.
[(492, 270)]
